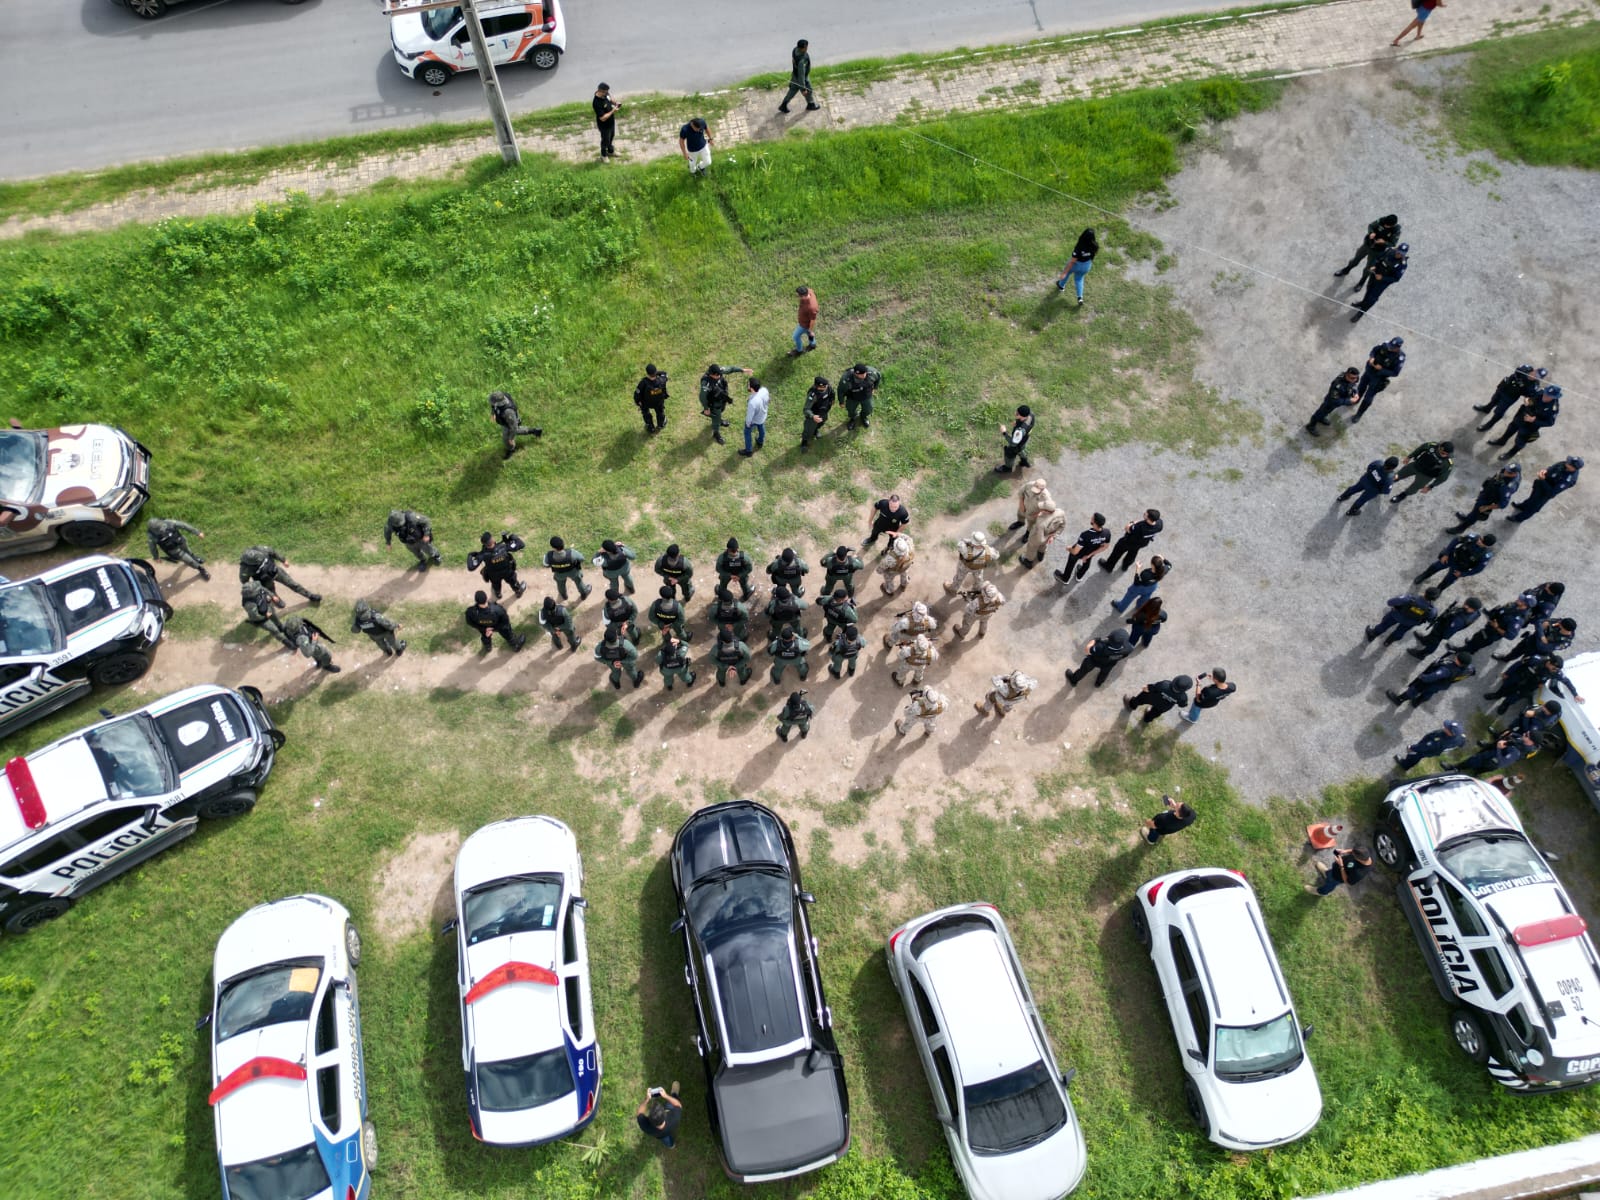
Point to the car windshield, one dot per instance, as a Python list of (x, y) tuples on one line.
[(513, 1084), (22, 466), (130, 760), (526, 903), (294, 1175), (437, 22), (1495, 863), (26, 626), (271, 996), (725, 901), (1013, 1111), (1258, 1051)]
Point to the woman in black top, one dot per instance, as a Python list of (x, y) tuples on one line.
[(1082, 262)]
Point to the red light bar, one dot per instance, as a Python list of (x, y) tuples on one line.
[(256, 1068), (1556, 929), (511, 972), (1152, 894), (27, 793)]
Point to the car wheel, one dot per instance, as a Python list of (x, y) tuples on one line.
[(91, 535), (36, 915), (117, 669), (1553, 741), (1196, 1107), (545, 58), (148, 9), (352, 945), (228, 804), (1141, 925), (1391, 847), (433, 74), (1468, 1033), (369, 1131)]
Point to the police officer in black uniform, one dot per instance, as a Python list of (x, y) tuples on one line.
[(1458, 616), (820, 399), (650, 394), (888, 516), (1341, 394), (1547, 485), (1509, 392), (1381, 234), (1448, 668), (1016, 444), (1493, 495), (489, 619), (497, 562), (1375, 481), (1385, 361), (1538, 412), (1501, 623), (714, 398), (1389, 270)]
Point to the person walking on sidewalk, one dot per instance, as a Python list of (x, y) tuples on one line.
[(805, 329), (1082, 263), (694, 142), (605, 119), (1422, 10), (800, 77)]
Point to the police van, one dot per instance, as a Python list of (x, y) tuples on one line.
[(91, 621), (432, 45), (1502, 939), (84, 809)]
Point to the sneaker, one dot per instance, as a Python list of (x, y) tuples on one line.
[(1061, 285), (782, 108), (795, 354), (866, 424), (1080, 301), (1014, 526), (402, 649), (331, 668), (1061, 577), (205, 575), (1027, 563)]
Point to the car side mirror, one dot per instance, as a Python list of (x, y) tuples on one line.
[(1068, 1076), (677, 926), (1306, 1031), (807, 898), (202, 1023), (448, 927), (1548, 857), (579, 902), (107, 714), (1197, 1056)]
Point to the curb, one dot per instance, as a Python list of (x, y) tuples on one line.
[(1546, 1173)]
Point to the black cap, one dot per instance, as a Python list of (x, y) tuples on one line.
[(713, 369), (860, 368)]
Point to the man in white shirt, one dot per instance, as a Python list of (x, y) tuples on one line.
[(755, 417)]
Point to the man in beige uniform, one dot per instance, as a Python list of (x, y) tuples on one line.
[(924, 705), (1047, 525), (981, 605), (1006, 692), (916, 657), (1034, 496), (973, 555), (896, 565), (909, 624)]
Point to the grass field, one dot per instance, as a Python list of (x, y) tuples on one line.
[(1535, 99)]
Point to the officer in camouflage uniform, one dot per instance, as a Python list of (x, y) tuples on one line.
[(265, 565), (916, 619), (924, 705), (619, 610), (916, 656), (797, 713), (731, 654), (839, 570), (789, 649), (973, 556), (497, 562), (785, 608), (258, 605), (857, 386), (666, 613), (504, 411), (615, 561), (790, 570), (308, 639), (1046, 526), (728, 613), (981, 605), (734, 563), (489, 619), (673, 659), (838, 610), (714, 398), (896, 565), (1005, 693), (166, 539), (378, 627), (846, 646), (620, 655), (556, 620), (415, 532), (567, 566), (676, 571)]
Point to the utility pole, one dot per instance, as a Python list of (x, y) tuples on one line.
[(503, 132)]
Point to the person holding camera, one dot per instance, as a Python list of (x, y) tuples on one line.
[(605, 119), (660, 1114)]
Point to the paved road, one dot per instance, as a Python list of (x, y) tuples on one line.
[(99, 86)]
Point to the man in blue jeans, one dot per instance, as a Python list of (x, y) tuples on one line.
[(1348, 866), (755, 417), (660, 1114)]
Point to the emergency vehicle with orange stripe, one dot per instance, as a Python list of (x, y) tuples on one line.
[(432, 45)]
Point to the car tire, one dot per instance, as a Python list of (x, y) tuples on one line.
[(369, 1131), (114, 670), (352, 945), (434, 75), (1196, 1107), (37, 914), (1391, 846), (1141, 925), (1467, 1032), (1552, 741), (228, 804), (545, 58), (148, 9), (91, 535)]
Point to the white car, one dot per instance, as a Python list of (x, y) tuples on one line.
[(92, 621), (1248, 1082), (528, 1043), (1580, 722), (432, 45), (78, 483), (997, 1090), (1503, 941), (288, 1084), (82, 810)]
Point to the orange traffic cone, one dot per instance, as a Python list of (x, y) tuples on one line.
[(1325, 835)]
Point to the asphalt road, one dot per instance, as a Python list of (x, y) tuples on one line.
[(100, 86)]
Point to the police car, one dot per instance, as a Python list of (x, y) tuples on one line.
[(91, 621), (288, 1084), (1580, 722), (528, 1041), (1502, 938), (78, 483), (86, 808)]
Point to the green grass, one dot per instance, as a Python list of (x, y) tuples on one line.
[(300, 371), (102, 1064), (1535, 99)]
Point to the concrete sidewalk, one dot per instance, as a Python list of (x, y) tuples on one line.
[(1275, 43)]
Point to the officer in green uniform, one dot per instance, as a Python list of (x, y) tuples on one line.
[(650, 394), (839, 570), (567, 566), (728, 613), (556, 619), (856, 388), (731, 654), (734, 563), (790, 570), (666, 613), (264, 564), (844, 648), (838, 610), (307, 638), (621, 655), (616, 564), (789, 649), (785, 608), (676, 571), (378, 627), (166, 539), (673, 659), (619, 610), (258, 605), (714, 398), (415, 532), (796, 714)]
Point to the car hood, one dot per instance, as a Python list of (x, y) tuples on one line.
[(84, 463), (1267, 1112), (408, 36), (1046, 1171), (297, 927), (780, 1117)]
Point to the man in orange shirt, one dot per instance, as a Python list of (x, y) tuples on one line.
[(805, 329)]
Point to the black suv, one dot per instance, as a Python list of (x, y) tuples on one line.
[(775, 1082)]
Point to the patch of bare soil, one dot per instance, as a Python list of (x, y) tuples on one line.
[(413, 887)]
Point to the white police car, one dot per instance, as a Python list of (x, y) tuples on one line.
[(288, 1084), (1248, 1083), (1502, 939), (528, 1041), (78, 483), (91, 621), (84, 809), (1580, 721)]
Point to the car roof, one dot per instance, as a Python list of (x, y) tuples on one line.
[(66, 779), (1231, 942), (757, 992), (518, 1018), (269, 1115), (1529, 914), (980, 1005)]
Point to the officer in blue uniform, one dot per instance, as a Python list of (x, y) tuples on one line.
[(1385, 361), (1493, 495), (1431, 745), (1450, 667), (1386, 272), (1458, 616), (1404, 614), (1511, 390), (1464, 557), (1547, 485), (1375, 481), (1501, 623), (1341, 394)]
